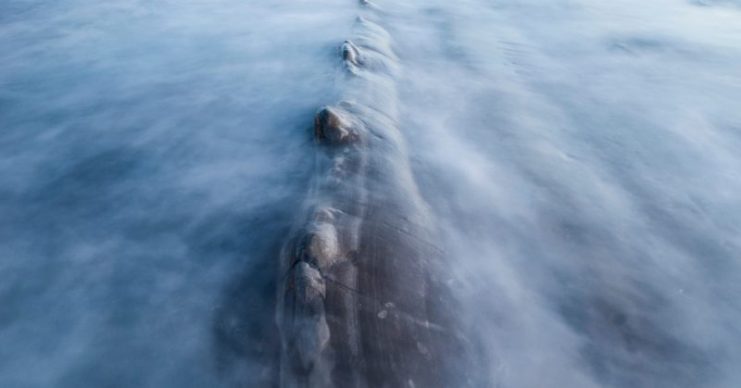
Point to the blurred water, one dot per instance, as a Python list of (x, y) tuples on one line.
[(151, 153), (579, 155)]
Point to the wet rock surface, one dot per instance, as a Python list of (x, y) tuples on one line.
[(363, 302)]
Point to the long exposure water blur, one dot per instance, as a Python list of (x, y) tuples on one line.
[(580, 158)]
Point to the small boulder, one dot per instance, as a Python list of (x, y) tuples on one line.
[(332, 128), (350, 53)]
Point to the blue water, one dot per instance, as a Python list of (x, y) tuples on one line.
[(580, 156)]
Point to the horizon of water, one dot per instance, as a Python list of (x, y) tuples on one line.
[(578, 158)]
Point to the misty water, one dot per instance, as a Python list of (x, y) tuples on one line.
[(580, 158)]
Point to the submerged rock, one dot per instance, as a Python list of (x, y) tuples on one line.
[(364, 304), (350, 53), (306, 332)]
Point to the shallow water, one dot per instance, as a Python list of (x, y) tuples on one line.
[(578, 156)]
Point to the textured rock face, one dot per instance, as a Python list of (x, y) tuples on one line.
[(332, 128), (309, 333), (363, 301)]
